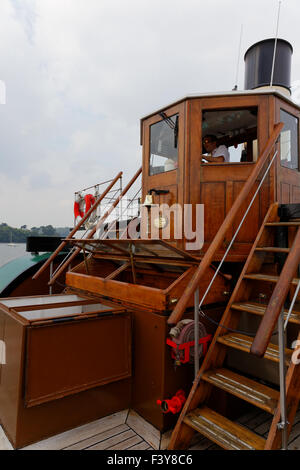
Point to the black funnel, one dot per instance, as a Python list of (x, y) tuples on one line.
[(258, 64)]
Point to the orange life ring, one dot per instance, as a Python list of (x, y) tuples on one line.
[(77, 211), (89, 201)]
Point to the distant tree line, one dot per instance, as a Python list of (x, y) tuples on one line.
[(18, 235)]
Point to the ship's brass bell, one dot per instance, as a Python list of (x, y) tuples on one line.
[(148, 200)]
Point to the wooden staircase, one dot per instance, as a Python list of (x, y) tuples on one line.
[(257, 277)]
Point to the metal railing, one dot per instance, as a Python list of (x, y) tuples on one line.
[(75, 229), (106, 202), (283, 425), (76, 250), (282, 326), (128, 211)]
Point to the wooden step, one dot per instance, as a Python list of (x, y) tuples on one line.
[(243, 343), (253, 392), (283, 224), (267, 278), (259, 309), (222, 431), (272, 249)]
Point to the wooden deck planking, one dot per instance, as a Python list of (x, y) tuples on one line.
[(114, 432), (203, 444), (248, 416), (113, 441), (295, 433), (295, 444), (125, 445), (85, 443), (143, 428), (263, 429), (256, 421), (142, 446), (68, 438), (294, 440), (4, 442)]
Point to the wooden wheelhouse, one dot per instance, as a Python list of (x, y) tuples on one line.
[(243, 121)]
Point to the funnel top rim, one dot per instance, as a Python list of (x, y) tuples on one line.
[(268, 40)]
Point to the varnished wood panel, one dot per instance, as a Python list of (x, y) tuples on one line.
[(139, 295), (250, 227), (48, 357), (167, 200), (213, 196), (295, 194), (284, 193)]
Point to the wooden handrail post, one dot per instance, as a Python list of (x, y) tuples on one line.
[(178, 311), (81, 222), (276, 303), (94, 229)]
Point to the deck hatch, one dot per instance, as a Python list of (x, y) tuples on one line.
[(69, 357)]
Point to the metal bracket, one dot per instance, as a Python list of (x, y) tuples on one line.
[(282, 425)]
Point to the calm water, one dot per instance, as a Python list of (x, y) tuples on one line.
[(7, 253)]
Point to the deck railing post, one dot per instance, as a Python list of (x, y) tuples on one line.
[(51, 274), (283, 425), (196, 331)]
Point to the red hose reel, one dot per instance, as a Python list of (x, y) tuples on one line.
[(183, 342)]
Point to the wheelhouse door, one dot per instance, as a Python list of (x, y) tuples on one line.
[(163, 168)]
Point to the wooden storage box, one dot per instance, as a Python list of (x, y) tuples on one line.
[(55, 351)]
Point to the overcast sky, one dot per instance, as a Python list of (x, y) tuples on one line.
[(79, 74)]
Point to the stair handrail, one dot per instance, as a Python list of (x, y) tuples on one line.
[(77, 227), (181, 306), (64, 265), (277, 300)]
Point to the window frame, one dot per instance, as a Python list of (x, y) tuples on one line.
[(289, 112), (177, 117), (237, 108)]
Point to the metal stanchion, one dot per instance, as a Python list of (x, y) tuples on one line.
[(51, 274), (196, 330), (282, 371)]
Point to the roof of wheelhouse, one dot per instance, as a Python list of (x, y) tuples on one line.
[(256, 91)]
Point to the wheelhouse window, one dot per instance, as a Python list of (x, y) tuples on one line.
[(235, 129), (289, 141), (164, 145)]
